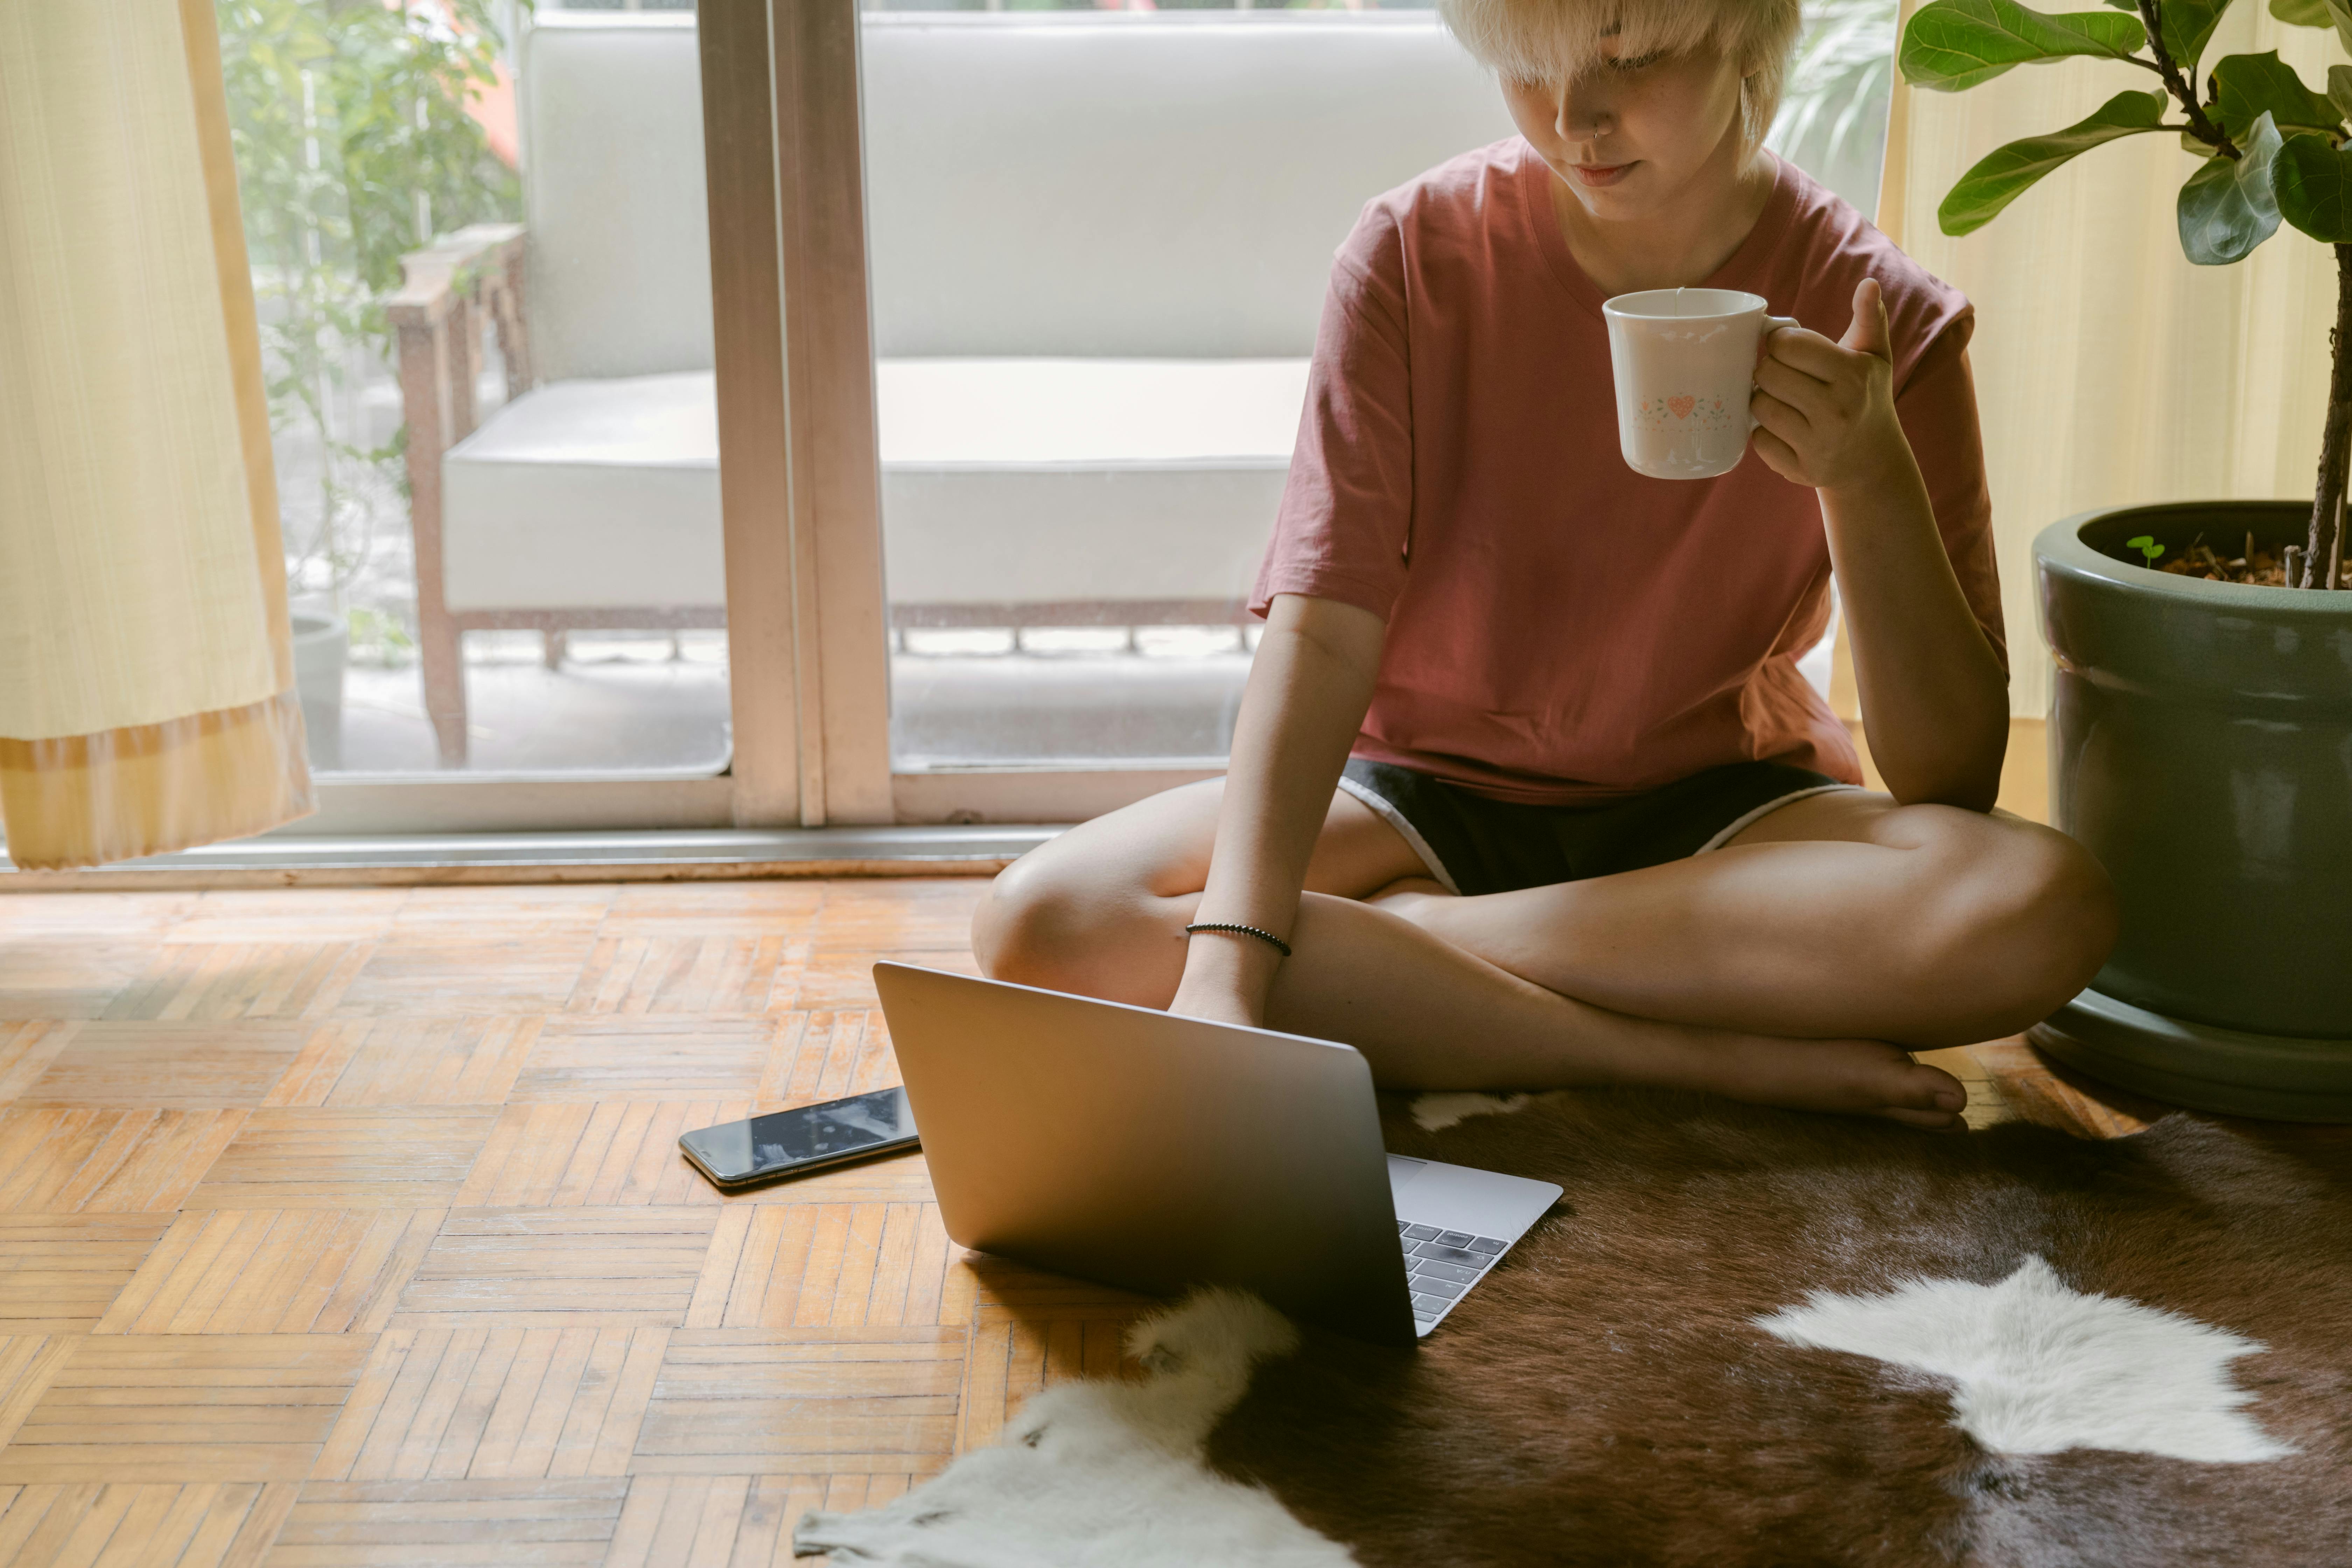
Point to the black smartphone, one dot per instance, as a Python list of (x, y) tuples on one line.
[(783, 1144)]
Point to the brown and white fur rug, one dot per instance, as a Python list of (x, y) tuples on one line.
[(1744, 1337)]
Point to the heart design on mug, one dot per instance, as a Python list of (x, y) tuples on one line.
[(1682, 405)]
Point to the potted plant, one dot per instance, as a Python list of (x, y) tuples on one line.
[(2200, 729)]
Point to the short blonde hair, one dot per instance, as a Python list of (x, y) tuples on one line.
[(1546, 40)]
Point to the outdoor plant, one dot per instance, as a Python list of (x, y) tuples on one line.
[(2271, 149), (353, 145)]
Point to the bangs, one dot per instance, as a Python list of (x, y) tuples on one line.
[(1555, 40)]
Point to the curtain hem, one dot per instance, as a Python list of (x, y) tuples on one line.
[(79, 801)]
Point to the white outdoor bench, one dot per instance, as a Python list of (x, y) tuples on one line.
[(1097, 243)]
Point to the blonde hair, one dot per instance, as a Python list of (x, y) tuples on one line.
[(1547, 41)]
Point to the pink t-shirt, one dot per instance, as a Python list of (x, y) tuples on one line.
[(1562, 630)]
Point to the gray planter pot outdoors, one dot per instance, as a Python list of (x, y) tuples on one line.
[(2201, 746), (322, 647)]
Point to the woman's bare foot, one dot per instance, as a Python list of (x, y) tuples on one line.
[(1859, 1078), (1867, 1078)]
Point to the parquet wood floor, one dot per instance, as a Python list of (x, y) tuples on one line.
[(348, 1227)]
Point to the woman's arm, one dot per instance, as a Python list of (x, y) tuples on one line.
[(1935, 700), (1308, 690)]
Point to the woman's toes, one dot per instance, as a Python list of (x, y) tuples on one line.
[(1928, 1097), (1932, 1121), (1933, 1086)]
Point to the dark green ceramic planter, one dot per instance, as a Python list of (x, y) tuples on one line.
[(2201, 746)]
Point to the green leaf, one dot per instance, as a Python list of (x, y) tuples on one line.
[(2339, 86), (2189, 26), (2228, 207), (2003, 174), (2247, 86), (2336, 14), (2312, 183), (1955, 44)]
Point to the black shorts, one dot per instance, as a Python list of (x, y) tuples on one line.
[(1475, 845)]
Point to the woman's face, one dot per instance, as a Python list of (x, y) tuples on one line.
[(1633, 133)]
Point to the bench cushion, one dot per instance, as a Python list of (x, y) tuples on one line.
[(587, 495), (1005, 483)]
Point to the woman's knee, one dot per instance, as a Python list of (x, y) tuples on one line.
[(2020, 915), (1047, 922), (1026, 925), (1095, 910)]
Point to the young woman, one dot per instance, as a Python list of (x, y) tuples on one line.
[(1593, 826)]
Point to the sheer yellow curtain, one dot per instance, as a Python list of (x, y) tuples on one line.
[(146, 676), (2109, 371)]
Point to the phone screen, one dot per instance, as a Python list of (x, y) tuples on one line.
[(808, 1134)]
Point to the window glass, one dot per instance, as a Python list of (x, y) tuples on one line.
[(1098, 243), (480, 257)]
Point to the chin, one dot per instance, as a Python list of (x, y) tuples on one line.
[(1615, 203)]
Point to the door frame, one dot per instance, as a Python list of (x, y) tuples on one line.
[(832, 447)]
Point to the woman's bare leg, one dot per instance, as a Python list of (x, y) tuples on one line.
[(1838, 914), (1100, 911)]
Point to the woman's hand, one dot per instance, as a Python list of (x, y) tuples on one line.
[(1825, 412)]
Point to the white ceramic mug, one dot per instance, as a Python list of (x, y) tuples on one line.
[(1684, 362)]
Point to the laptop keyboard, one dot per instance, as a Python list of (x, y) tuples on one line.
[(1443, 1264)]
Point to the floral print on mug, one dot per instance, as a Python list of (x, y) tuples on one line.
[(1685, 411)]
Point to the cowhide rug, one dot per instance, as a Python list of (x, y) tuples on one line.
[(1744, 1337)]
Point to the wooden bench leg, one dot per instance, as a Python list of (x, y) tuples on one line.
[(441, 648), (430, 343)]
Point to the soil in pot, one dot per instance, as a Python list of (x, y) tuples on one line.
[(2261, 563)]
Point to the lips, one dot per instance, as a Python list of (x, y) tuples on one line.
[(1599, 174)]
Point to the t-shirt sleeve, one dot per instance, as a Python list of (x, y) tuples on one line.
[(1937, 406), (1345, 526)]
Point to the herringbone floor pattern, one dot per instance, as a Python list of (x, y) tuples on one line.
[(349, 1227)]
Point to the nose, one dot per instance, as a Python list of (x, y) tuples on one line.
[(1583, 109)]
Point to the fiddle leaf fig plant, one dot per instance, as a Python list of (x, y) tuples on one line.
[(2272, 149)]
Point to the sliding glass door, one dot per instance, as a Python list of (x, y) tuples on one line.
[(480, 240), (999, 314), (1098, 243)]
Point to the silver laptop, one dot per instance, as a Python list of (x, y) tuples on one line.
[(1156, 1152)]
